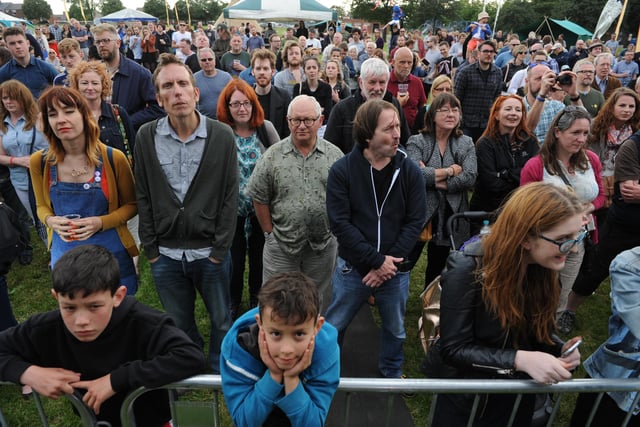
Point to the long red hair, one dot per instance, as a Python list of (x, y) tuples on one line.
[(492, 131)]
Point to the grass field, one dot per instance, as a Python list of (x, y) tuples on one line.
[(29, 292)]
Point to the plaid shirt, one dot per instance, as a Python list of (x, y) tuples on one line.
[(551, 108), (476, 94)]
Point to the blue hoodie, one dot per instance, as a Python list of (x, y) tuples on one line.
[(252, 395)]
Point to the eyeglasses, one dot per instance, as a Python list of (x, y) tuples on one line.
[(206, 59), (566, 245), (488, 51), (237, 104), (103, 41), (515, 44), (307, 122), (443, 89), (585, 72), (447, 111)]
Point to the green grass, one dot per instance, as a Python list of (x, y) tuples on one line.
[(29, 288)]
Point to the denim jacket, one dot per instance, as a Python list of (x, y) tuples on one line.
[(619, 356)]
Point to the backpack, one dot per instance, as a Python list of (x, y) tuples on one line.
[(12, 242)]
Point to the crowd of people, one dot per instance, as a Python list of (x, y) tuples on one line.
[(325, 157)]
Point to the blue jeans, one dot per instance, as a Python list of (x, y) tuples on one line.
[(349, 293), (177, 281)]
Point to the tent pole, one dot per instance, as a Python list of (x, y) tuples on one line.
[(166, 8)]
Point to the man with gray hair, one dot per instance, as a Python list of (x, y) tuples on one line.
[(372, 84), (288, 188), (604, 81), (210, 81)]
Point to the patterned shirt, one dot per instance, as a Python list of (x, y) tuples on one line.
[(551, 108), (294, 187)]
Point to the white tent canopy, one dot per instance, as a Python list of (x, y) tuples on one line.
[(128, 15), (279, 10), (8, 20)]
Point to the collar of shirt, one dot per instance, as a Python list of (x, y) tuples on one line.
[(320, 146), (164, 128)]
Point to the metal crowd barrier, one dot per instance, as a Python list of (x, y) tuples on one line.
[(392, 387), (423, 386), (87, 417)]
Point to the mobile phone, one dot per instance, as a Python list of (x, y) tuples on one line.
[(571, 349)]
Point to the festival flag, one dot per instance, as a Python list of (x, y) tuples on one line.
[(609, 13)]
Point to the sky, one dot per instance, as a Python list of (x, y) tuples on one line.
[(56, 5)]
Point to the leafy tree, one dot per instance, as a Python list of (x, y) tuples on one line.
[(110, 6), (36, 10), (362, 9), (89, 7), (157, 9)]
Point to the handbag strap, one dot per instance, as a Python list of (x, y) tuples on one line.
[(127, 150), (33, 140), (564, 178)]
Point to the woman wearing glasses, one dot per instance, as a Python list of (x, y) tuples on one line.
[(238, 106), (621, 230), (447, 159), (563, 161), (502, 151), (497, 311), (441, 84)]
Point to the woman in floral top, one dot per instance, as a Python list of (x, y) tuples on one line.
[(238, 106)]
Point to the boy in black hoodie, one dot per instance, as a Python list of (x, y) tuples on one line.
[(100, 342)]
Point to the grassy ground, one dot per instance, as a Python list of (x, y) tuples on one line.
[(29, 292)]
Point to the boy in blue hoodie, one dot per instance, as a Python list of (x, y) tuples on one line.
[(280, 362)]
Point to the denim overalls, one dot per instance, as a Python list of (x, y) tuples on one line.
[(87, 199)]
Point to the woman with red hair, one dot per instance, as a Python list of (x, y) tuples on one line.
[(502, 151), (238, 106)]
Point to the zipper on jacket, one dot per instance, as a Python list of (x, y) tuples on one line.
[(375, 198)]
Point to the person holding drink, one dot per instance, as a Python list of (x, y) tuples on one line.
[(84, 190)]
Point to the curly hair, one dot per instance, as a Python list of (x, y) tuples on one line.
[(87, 66)]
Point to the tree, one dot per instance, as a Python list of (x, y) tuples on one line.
[(36, 10), (156, 8), (110, 6), (364, 9), (89, 7)]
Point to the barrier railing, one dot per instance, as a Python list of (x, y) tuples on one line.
[(429, 386), (87, 417), (392, 387)]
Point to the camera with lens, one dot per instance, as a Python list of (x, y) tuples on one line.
[(564, 79)]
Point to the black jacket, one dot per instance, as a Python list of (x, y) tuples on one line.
[(472, 343), (340, 125), (277, 112), (363, 237), (499, 167)]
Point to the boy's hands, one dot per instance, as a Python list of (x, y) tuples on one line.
[(303, 363), (98, 391), (49, 382), (276, 373)]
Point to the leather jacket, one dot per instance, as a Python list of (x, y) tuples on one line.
[(472, 343)]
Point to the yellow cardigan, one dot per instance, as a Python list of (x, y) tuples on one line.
[(122, 194)]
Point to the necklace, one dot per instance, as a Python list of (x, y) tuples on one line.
[(83, 171)]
